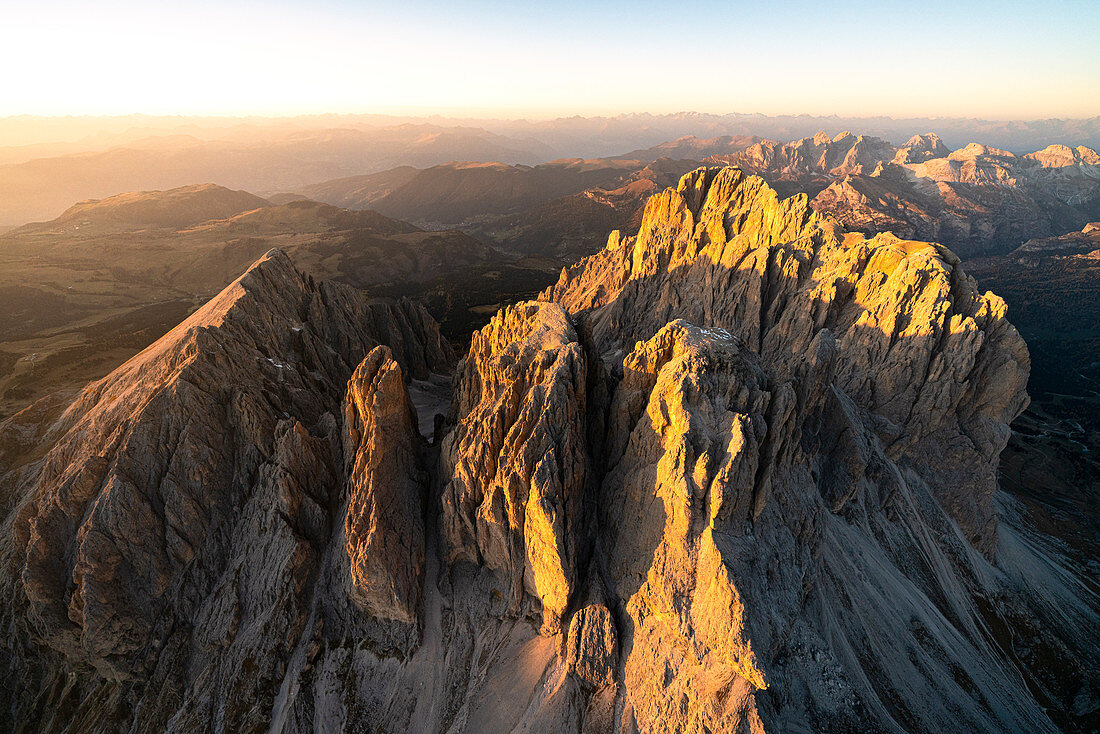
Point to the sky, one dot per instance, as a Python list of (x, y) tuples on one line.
[(964, 58)]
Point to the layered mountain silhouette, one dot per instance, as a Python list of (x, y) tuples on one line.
[(178, 208), (457, 192), (978, 200), (733, 472), (588, 137), (258, 160)]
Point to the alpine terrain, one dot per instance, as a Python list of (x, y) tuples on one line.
[(735, 471)]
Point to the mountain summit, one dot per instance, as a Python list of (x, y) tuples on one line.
[(734, 472)]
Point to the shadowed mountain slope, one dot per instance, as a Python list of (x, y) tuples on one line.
[(456, 192), (176, 209), (560, 210)]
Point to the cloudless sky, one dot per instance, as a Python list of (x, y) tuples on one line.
[(975, 58)]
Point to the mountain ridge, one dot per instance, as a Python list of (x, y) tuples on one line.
[(178, 207), (42, 187)]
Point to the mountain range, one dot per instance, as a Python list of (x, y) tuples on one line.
[(47, 163), (583, 136), (40, 188), (419, 425), (977, 200), (735, 471)]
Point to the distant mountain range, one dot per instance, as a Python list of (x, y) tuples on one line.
[(42, 187), (601, 136), (47, 163), (977, 200), (573, 136)]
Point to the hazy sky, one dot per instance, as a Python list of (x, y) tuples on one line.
[(987, 59)]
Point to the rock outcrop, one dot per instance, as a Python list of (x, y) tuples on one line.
[(736, 472), (185, 504), (515, 464), (384, 520)]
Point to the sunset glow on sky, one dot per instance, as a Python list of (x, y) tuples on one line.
[(984, 59)]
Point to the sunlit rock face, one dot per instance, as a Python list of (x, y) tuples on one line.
[(515, 465), (787, 396), (919, 347), (735, 472)]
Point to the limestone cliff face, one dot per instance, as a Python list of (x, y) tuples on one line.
[(384, 522), (735, 472), (800, 421), (687, 431), (515, 464), (919, 346)]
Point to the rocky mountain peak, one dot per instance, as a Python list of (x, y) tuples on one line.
[(515, 460), (921, 148), (904, 313), (151, 465), (977, 150), (1062, 156)]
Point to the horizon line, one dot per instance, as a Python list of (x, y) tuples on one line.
[(465, 114)]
